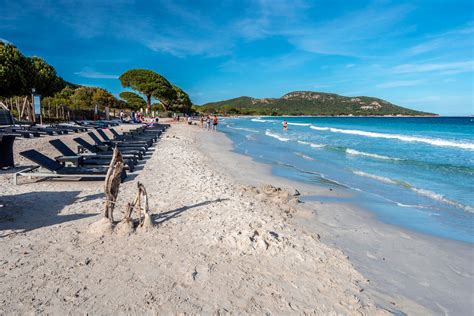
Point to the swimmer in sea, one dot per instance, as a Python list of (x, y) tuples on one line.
[(285, 125)]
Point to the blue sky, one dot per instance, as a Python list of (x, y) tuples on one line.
[(418, 54)]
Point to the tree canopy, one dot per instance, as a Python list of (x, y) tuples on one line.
[(150, 84), (103, 98), (19, 74), (133, 100), (182, 102), (15, 70)]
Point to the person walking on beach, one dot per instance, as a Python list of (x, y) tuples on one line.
[(202, 121), (214, 123), (208, 123), (285, 125)]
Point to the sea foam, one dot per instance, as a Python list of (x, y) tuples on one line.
[(376, 177), (441, 198), (280, 138), (263, 121), (423, 192), (299, 124), (311, 144), (304, 156), (361, 153), (243, 129), (405, 138)]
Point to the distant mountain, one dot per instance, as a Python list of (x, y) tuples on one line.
[(308, 103)]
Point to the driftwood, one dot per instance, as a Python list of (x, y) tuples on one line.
[(112, 183), (111, 187), (140, 203)]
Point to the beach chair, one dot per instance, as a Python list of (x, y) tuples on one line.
[(68, 155), (104, 150), (7, 125), (143, 148), (140, 142), (49, 168), (131, 135), (75, 129)]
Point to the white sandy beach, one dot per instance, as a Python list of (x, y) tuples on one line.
[(220, 245)]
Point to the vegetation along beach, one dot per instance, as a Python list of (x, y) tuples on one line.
[(237, 157)]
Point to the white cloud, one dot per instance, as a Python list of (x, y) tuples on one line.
[(284, 62), (90, 73), (456, 67), (449, 80), (456, 39), (425, 47), (352, 34), (399, 83), (197, 34), (431, 98)]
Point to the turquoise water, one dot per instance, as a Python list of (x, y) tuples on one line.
[(414, 172)]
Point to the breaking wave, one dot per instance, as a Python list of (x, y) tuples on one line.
[(304, 156), (280, 138), (262, 120), (311, 144), (361, 153), (243, 129), (405, 138), (423, 192), (299, 124)]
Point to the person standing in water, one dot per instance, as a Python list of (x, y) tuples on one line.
[(214, 123), (285, 125)]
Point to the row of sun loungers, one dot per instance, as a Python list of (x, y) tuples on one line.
[(91, 160), (8, 125)]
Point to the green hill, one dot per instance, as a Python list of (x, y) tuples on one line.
[(307, 103)]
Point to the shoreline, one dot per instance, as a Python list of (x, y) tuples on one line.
[(389, 255)]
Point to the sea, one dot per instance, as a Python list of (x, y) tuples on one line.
[(414, 172)]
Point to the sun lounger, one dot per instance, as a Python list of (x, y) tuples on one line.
[(104, 150), (48, 168), (18, 134), (7, 125), (148, 142), (111, 144), (74, 128), (68, 155), (132, 135)]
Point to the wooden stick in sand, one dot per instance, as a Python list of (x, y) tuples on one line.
[(112, 183)]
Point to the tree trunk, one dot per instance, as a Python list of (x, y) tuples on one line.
[(148, 103)]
